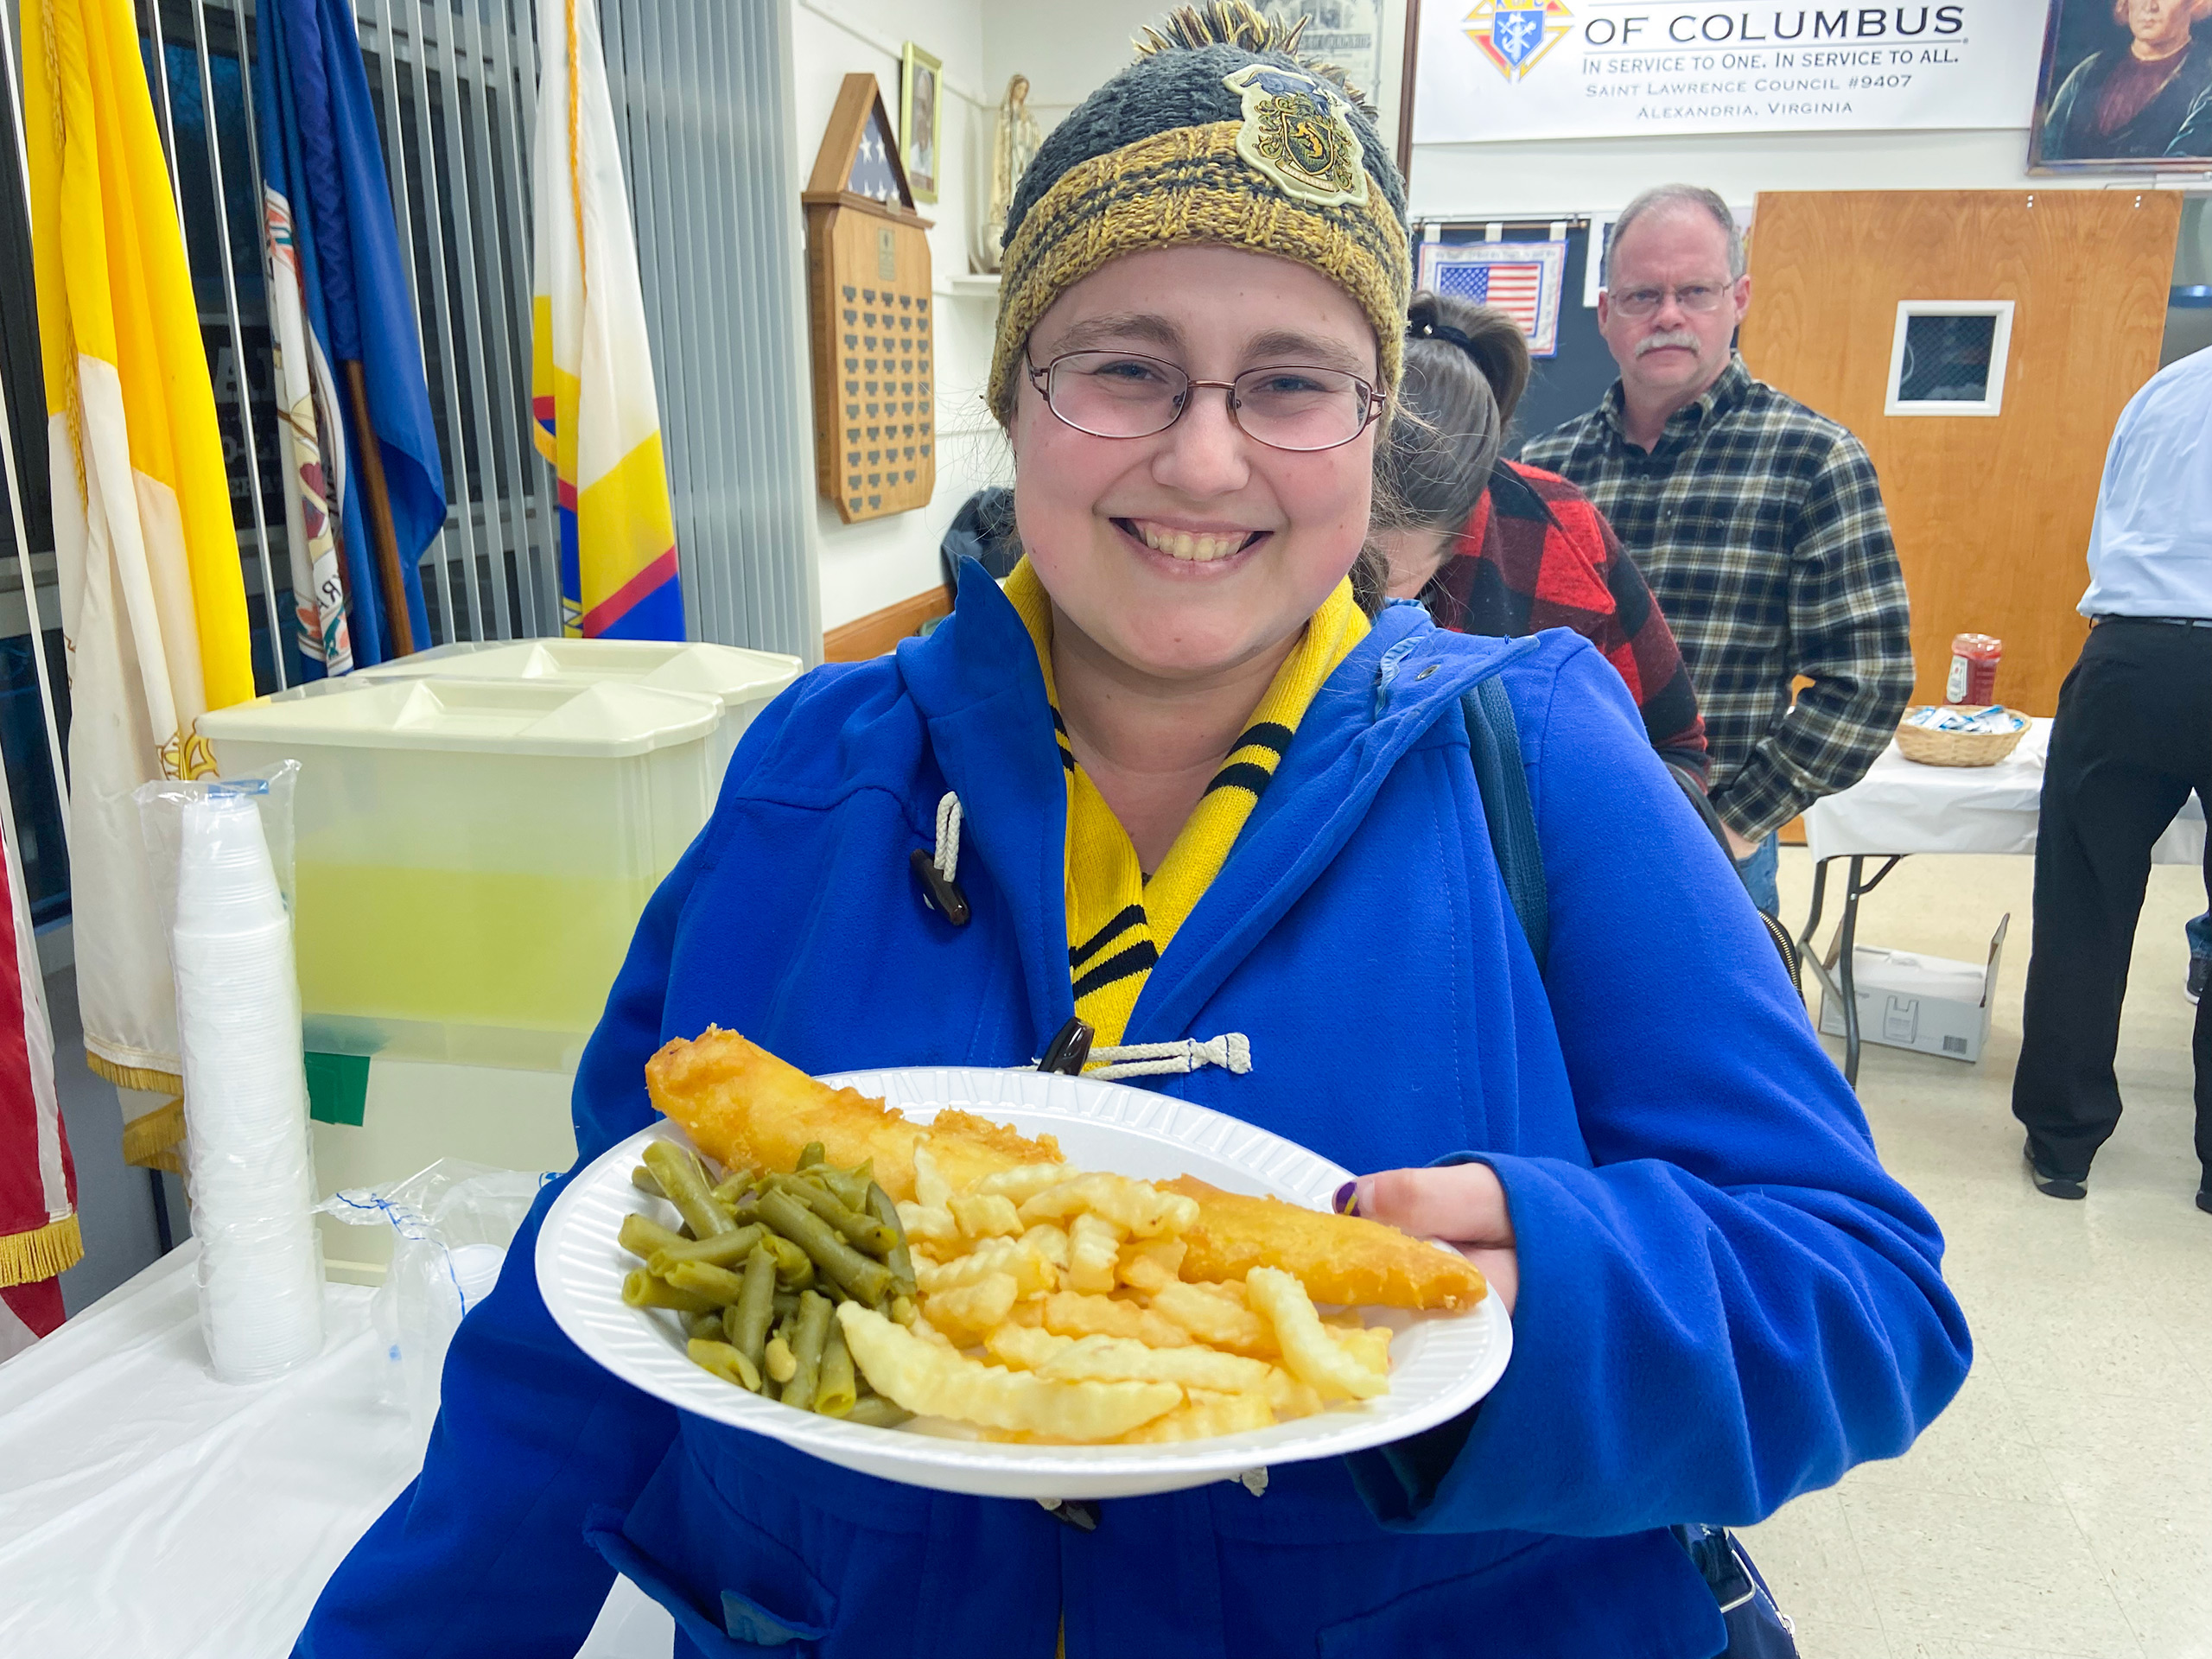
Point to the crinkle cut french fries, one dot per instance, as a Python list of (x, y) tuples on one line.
[(1086, 1334), (1059, 1306)]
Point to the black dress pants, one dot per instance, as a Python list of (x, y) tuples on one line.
[(2132, 737)]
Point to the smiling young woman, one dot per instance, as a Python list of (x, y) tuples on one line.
[(1203, 793), (1183, 564)]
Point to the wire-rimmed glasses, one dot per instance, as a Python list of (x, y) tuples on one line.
[(1128, 394), (1697, 298)]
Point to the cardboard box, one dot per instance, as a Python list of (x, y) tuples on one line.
[(1931, 1004)]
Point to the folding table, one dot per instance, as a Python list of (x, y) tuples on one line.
[(1901, 808)]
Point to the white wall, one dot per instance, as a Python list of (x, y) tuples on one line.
[(1578, 175), (1067, 50), (866, 566)]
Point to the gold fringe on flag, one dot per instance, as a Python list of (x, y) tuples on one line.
[(135, 1077), (157, 1141), (27, 1258)]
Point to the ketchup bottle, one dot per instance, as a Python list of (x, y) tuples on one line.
[(1974, 657)]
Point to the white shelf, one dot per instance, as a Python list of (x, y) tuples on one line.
[(973, 288)]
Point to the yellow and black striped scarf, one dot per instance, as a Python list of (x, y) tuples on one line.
[(1119, 921)]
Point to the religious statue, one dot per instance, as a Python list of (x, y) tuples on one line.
[(1014, 140)]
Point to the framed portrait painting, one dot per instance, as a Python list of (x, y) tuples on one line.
[(2125, 84), (921, 119)]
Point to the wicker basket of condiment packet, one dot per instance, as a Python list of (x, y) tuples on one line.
[(1934, 748)]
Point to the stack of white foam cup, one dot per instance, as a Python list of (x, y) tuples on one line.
[(244, 1098)]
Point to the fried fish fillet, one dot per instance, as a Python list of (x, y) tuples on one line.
[(1339, 1258), (742, 1106)]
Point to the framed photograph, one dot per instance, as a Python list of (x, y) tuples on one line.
[(2126, 84), (921, 119)]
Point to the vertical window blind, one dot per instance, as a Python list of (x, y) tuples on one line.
[(702, 100)]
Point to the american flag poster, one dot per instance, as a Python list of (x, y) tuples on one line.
[(1524, 279)]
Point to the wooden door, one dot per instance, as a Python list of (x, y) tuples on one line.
[(1992, 513)]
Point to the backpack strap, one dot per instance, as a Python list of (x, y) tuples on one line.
[(1494, 741)]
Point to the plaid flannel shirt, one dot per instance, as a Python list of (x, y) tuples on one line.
[(1535, 553), (1760, 526)]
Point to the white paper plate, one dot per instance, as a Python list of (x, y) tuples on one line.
[(1440, 1365)]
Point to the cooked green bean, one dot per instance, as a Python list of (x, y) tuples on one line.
[(902, 1309), (848, 1186), (877, 1411), (747, 1319), (724, 1362), (806, 1352), (685, 1183), (718, 1285), (734, 1186), (642, 1235), (794, 1266), (641, 1289), (863, 1232), (723, 1250), (897, 1259), (865, 1279), (759, 1266), (835, 1391)]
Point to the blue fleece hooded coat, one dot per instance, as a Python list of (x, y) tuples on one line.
[(1724, 1301)]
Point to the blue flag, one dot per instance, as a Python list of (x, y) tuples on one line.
[(322, 168)]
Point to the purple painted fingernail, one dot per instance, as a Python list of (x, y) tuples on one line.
[(1346, 1202)]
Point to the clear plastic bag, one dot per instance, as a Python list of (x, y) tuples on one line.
[(220, 854), (161, 823), (451, 1224)]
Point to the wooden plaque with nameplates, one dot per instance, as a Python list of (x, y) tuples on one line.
[(871, 316)]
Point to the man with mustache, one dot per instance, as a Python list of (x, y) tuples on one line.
[(1758, 524)]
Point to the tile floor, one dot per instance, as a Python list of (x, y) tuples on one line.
[(2062, 1506)]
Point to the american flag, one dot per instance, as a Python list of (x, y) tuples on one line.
[(873, 175), (1521, 278), (1514, 289)]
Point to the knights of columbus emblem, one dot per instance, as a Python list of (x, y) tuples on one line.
[(1295, 130), (1515, 34)]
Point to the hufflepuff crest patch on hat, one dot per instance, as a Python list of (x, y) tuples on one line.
[(1298, 132)]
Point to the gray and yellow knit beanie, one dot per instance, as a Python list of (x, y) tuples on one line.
[(1217, 133)]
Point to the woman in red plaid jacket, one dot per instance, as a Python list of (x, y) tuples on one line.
[(1491, 546)]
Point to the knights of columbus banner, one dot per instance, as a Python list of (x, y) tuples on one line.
[(1509, 69)]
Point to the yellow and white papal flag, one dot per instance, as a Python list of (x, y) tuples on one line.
[(594, 412), (153, 601)]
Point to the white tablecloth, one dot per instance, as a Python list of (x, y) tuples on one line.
[(1901, 806), (148, 1512)]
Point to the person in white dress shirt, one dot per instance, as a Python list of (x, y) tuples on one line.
[(2133, 738)]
